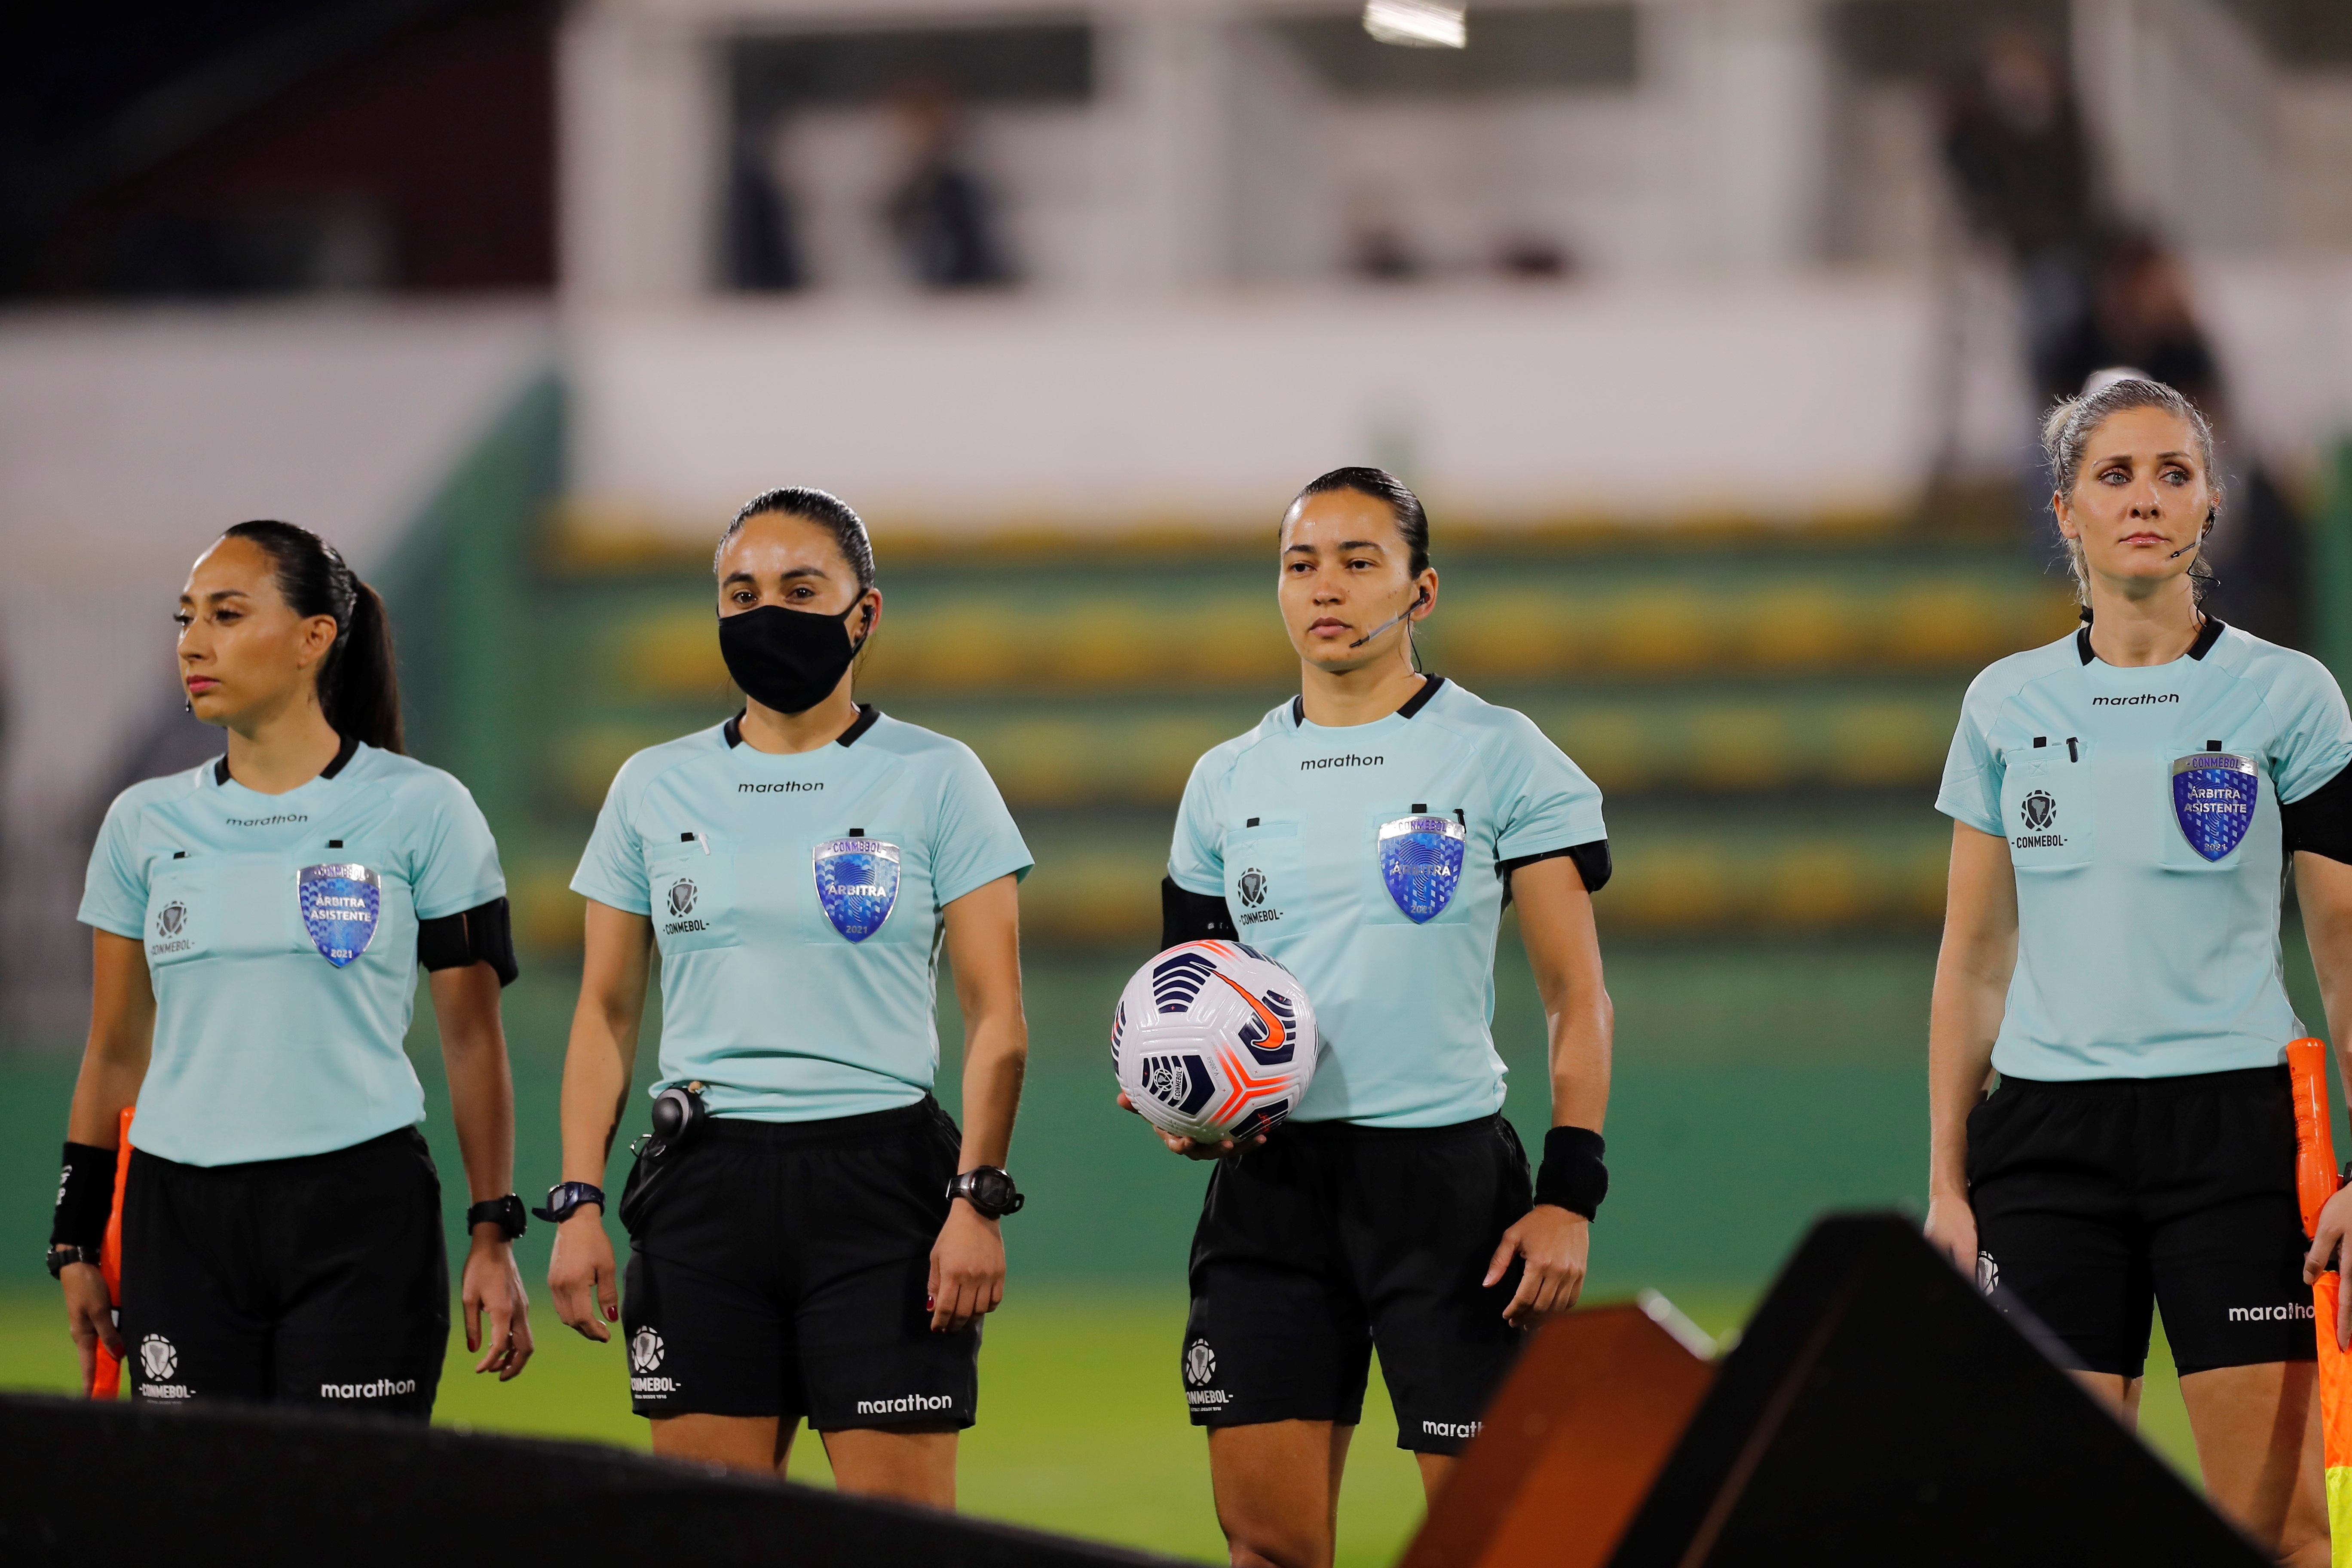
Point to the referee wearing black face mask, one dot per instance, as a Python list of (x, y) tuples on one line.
[(813, 1239)]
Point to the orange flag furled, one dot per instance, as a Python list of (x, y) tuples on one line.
[(106, 1382), (2315, 1184)]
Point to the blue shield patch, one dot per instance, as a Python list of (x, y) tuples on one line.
[(2213, 796), (1420, 863), (856, 884), (339, 905)]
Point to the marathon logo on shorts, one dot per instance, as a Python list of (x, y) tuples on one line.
[(1451, 1428), (381, 1388), (339, 905), (2285, 1312), (905, 1405)]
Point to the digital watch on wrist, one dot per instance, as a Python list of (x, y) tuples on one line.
[(988, 1190), (506, 1213), (565, 1198)]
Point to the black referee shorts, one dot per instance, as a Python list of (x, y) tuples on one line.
[(1334, 1238), (781, 1267), (2096, 1200), (321, 1282)]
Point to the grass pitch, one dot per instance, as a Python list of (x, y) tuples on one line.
[(1082, 1426)]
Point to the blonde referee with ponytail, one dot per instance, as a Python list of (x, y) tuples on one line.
[(258, 924), (2126, 804)]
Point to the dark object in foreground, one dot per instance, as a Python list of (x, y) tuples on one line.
[(109, 1483), (1878, 1410)]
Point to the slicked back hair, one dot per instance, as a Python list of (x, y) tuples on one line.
[(824, 508), (1412, 521)]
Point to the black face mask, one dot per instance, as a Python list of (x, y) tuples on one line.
[(789, 660)]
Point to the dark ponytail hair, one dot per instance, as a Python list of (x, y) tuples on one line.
[(1412, 521), (359, 682)]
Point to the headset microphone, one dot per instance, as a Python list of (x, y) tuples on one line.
[(1393, 620), (2193, 543)]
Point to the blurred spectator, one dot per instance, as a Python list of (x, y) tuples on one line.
[(2014, 140), (763, 252), (2138, 315), (2141, 315), (1377, 246), (1536, 256), (942, 215)]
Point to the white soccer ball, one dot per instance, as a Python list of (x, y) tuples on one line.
[(1214, 1040)]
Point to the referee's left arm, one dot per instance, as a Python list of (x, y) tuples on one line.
[(481, 1105), (1564, 951)]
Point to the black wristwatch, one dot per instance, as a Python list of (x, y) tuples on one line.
[(988, 1190), (506, 1213), (61, 1256), (565, 1198)]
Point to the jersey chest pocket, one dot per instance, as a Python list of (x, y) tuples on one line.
[(692, 886), (183, 913), (1265, 877), (2047, 807)]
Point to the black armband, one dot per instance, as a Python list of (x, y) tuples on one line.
[(1572, 1176), (1592, 864), (2321, 822), (1187, 916), (85, 1197), (483, 934)]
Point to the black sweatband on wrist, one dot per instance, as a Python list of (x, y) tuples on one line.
[(1572, 1176), (85, 1197)]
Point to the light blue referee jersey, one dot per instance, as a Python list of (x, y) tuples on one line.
[(796, 902), (2141, 809), (281, 932), (1364, 859)]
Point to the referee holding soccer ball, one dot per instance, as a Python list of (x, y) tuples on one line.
[(1366, 834), (258, 924), (2126, 804), (810, 1235)]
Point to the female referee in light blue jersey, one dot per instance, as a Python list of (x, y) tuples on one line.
[(809, 1235), (2126, 802), (1394, 1208), (258, 924)]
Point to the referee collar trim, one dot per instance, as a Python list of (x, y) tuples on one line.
[(732, 730), (344, 754), (2207, 635), (1418, 701)]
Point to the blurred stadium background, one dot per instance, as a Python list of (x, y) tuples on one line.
[(1712, 330)]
